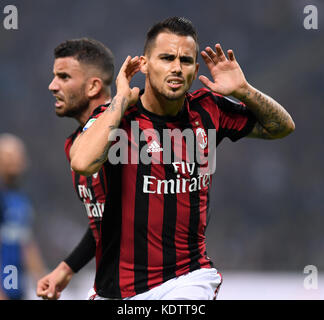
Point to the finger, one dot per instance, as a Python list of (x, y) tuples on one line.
[(134, 58), (131, 74), (132, 63), (41, 293), (42, 287), (219, 52), (134, 95), (133, 67), (206, 82), (125, 64), (123, 71), (51, 292), (230, 54), (134, 72), (212, 55), (208, 61)]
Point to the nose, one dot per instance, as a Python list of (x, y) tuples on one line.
[(53, 86), (176, 66)]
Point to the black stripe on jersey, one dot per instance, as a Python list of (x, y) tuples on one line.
[(93, 200), (76, 183), (102, 180), (107, 276), (194, 198), (140, 226), (208, 209), (169, 219), (228, 105), (207, 124), (76, 175)]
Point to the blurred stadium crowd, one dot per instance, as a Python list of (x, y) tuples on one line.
[(267, 201)]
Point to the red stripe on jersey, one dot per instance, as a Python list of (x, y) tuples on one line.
[(183, 201), (155, 212), (209, 106), (203, 198), (126, 266), (203, 193), (227, 120)]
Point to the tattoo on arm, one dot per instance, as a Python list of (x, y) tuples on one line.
[(103, 156), (112, 108), (273, 119)]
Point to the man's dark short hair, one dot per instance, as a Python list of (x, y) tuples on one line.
[(179, 26), (90, 52)]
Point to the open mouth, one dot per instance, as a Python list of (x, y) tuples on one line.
[(175, 83), (59, 101)]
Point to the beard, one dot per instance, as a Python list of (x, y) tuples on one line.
[(170, 95), (75, 105)]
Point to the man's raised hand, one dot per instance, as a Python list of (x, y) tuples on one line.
[(228, 78), (129, 68)]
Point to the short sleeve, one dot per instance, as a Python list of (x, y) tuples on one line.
[(235, 119), (95, 115)]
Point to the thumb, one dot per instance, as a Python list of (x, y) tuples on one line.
[(206, 82), (134, 95), (51, 291)]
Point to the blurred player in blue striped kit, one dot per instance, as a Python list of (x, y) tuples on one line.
[(18, 250)]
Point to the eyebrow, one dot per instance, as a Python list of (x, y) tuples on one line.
[(61, 74), (182, 58)]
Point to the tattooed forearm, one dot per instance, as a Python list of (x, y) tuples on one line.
[(114, 106), (273, 120), (103, 157)]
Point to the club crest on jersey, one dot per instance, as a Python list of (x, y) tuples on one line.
[(201, 138)]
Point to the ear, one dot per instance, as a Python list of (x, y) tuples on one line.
[(196, 72), (144, 62), (94, 86)]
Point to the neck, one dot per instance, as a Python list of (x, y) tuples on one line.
[(158, 104), (93, 104)]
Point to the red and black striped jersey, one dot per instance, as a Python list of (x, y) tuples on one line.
[(153, 227), (92, 190)]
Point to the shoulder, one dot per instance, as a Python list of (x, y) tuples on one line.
[(69, 140), (204, 99), (98, 111), (204, 94), (225, 104), (131, 113), (94, 116)]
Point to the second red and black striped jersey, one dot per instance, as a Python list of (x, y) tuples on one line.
[(92, 190), (153, 227)]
